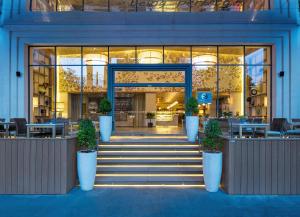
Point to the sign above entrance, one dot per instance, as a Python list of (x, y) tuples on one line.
[(204, 97)]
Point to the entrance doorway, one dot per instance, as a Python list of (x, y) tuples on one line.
[(149, 110), (149, 99)]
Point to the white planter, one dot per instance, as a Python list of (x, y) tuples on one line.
[(212, 170), (105, 124), (192, 127), (86, 167)]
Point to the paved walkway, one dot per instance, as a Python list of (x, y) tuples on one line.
[(148, 203)]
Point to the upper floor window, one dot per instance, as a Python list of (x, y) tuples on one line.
[(149, 5)]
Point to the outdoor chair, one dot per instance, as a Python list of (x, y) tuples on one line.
[(295, 131), (2, 129), (278, 127), (20, 126)]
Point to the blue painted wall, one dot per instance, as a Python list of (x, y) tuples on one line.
[(278, 27)]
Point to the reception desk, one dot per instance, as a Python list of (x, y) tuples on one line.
[(166, 119)]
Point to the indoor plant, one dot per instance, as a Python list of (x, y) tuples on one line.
[(192, 119), (150, 116), (212, 156), (105, 120), (87, 155)]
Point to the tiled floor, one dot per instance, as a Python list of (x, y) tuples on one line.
[(148, 203), (161, 130)]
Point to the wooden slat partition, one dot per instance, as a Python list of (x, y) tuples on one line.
[(261, 166), (37, 165)]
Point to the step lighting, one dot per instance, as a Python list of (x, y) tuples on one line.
[(149, 158), (147, 137), (148, 146), (149, 165), (146, 151), (148, 186), (148, 175)]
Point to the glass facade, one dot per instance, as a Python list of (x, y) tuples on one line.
[(70, 81), (149, 5)]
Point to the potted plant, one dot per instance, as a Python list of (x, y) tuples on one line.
[(150, 116), (87, 156), (192, 119), (212, 156), (105, 120)]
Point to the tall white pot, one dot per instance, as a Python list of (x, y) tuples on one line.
[(192, 127), (86, 167), (105, 124), (212, 170)]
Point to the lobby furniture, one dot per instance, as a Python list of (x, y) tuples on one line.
[(52, 126)]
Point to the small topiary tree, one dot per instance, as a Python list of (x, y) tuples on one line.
[(87, 136), (105, 106), (191, 107), (212, 142), (150, 116)]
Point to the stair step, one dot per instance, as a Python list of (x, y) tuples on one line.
[(149, 152), (149, 177), (175, 168), (148, 146), (150, 185), (149, 159)]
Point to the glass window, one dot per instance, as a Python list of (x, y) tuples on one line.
[(150, 5), (94, 79), (231, 90), (42, 93), (42, 5), (68, 55), (150, 55), (230, 5), (93, 5), (177, 54), (231, 55), (257, 55), (256, 4), (257, 91), (121, 55), (95, 55), (68, 92), (42, 56), (176, 6), (205, 80), (122, 5), (204, 55), (203, 5), (70, 5)]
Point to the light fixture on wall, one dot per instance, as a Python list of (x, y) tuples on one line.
[(172, 105), (150, 56), (96, 59), (201, 62)]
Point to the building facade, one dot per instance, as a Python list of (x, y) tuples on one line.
[(59, 58)]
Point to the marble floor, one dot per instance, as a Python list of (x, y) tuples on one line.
[(158, 130)]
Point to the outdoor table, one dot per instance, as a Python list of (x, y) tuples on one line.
[(6, 126), (295, 125), (251, 125), (46, 126)]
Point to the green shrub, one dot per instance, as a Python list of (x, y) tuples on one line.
[(212, 141), (105, 106), (87, 135), (191, 107), (150, 115)]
